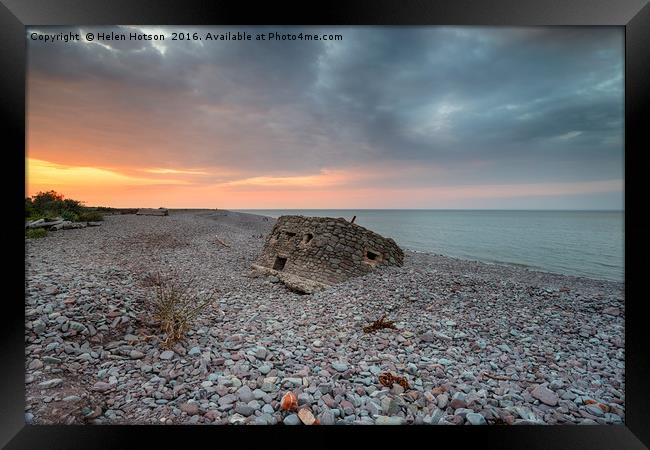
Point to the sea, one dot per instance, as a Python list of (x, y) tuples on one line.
[(582, 243)]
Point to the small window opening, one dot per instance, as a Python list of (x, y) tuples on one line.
[(307, 237), (290, 234), (372, 256), (279, 263)]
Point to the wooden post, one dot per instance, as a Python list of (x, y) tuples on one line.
[(352, 221)]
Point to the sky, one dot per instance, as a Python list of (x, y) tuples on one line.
[(387, 117)]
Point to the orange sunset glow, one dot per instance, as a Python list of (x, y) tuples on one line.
[(181, 125)]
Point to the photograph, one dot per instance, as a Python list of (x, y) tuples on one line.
[(325, 225)]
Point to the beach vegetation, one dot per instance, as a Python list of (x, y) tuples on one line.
[(35, 233), (110, 210), (51, 204), (91, 216), (175, 303)]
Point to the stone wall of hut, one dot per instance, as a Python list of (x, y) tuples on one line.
[(324, 249)]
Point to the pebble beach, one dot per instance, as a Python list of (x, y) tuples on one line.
[(477, 343)]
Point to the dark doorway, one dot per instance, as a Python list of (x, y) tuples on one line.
[(279, 263)]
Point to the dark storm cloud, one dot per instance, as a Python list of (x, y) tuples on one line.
[(274, 68), (451, 94), (545, 103)]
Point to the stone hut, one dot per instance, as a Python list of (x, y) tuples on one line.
[(310, 253)]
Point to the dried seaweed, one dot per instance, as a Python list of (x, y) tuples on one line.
[(497, 421), (388, 379), (379, 324)]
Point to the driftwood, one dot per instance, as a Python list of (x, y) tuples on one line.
[(41, 223), (35, 223), (502, 378), (221, 242)]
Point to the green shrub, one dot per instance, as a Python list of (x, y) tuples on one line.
[(71, 216), (47, 201), (35, 233), (90, 216), (72, 206), (29, 208), (51, 204)]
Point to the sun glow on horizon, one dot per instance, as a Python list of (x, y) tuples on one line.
[(178, 171), (43, 174), (325, 189)]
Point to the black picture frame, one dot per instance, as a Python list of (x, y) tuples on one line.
[(633, 15)]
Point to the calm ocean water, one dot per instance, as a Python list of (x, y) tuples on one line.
[(585, 243)]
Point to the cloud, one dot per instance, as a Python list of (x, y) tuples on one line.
[(46, 173), (530, 104), (179, 171)]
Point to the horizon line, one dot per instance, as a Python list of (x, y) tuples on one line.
[(373, 209), (419, 209)]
